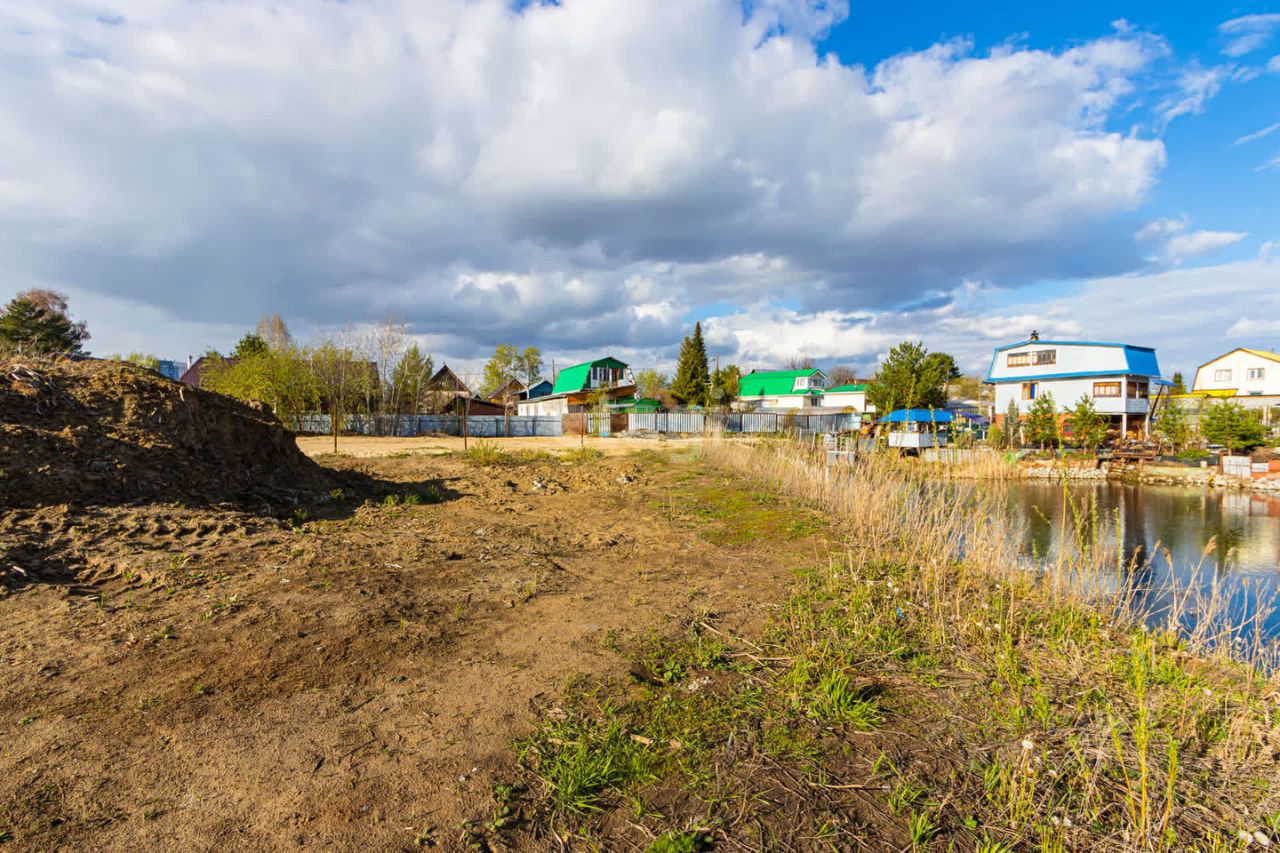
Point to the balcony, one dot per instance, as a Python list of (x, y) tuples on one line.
[(1122, 405)]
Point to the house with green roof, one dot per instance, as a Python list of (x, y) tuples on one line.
[(781, 389), (575, 388)]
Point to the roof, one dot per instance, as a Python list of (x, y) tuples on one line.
[(575, 378), (926, 416), (1208, 392), (1071, 344), (846, 389), (1260, 353), (771, 383), (194, 375), (1139, 361), (445, 372)]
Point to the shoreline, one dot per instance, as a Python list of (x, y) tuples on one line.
[(1153, 475)]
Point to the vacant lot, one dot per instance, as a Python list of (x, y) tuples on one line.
[(354, 676)]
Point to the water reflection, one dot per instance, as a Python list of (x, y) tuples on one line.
[(1153, 535)]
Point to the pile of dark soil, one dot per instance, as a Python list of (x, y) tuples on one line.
[(105, 432)]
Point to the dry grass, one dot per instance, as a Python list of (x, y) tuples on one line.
[(1088, 728)]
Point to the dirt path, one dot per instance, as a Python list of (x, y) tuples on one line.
[(205, 680)]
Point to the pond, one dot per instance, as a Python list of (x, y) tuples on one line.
[(1158, 538)]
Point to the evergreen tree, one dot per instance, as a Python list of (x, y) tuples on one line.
[(724, 384), (1179, 387), (1042, 421), (37, 322), (1013, 425), (1172, 426), (911, 377), (249, 346), (692, 385), (1088, 428), (1231, 425)]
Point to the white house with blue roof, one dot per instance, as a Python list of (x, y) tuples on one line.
[(1121, 379)]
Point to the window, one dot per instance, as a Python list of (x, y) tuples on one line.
[(1018, 359), (1257, 373), (1047, 356), (1138, 390), (1106, 389), (1222, 376), (1029, 390)]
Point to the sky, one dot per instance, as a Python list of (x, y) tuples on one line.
[(812, 178)]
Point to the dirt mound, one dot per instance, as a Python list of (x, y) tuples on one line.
[(103, 432)]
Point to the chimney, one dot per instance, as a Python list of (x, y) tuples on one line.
[(188, 361)]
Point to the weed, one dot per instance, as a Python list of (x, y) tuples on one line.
[(679, 842), (835, 700), (486, 453), (905, 795), (923, 829), (582, 455), (401, 499), (580, 759)]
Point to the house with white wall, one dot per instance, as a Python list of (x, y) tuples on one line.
[(1120, 379), (577, 388), (1244, 372), (779, 390), (850, 396)]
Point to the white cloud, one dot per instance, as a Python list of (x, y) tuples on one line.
[(1160, 229), (1187, 314), (1196, 86), (1258, 134), (1177, 245), (1197, 243), (491, 174), (1248, 33), (1274, 65), (1254, 327)]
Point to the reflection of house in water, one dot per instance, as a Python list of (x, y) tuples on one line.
[(1251, 528)]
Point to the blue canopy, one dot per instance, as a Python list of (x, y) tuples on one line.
[(918, 416)]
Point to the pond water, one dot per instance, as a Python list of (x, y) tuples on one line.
[(1155, 538)]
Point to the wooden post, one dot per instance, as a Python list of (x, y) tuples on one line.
[(466, 416)]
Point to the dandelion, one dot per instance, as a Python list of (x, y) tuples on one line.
[(1245, 836), (1028, 745), (1261, 837)]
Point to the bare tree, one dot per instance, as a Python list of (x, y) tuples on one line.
[(272, 329), (802, 362)]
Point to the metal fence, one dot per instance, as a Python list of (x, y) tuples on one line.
[(1238, 466), (480, 426), (756, 422)]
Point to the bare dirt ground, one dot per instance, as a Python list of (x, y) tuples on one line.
[(373, 446), (197, 678)]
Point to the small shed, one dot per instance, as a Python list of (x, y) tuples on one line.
[(913, 429)]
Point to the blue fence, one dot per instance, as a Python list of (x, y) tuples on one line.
[(757, 422), (480, 426)]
